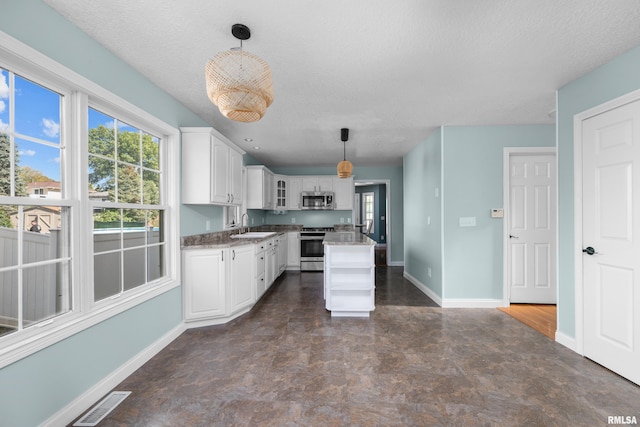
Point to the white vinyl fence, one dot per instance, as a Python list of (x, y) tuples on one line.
[(46, 287), (41, 285)]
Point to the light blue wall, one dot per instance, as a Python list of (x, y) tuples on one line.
[(471, 186), (616, 78), (36, 387), (423, 242), (464, 165), (396, 194)]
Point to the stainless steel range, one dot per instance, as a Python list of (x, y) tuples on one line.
[(311, 249)]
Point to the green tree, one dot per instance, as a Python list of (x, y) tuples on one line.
[(131, 187), (6, 178), (28, 175), (5, 169)]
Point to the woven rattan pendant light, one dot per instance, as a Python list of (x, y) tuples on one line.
[(345, 168), (239, 82)]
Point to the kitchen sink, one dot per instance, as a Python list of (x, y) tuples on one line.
[(253, 235)]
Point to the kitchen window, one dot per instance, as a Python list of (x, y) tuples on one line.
[(125, 189), (88, 203)]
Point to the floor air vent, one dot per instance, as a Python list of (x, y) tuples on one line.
[(102, 409)]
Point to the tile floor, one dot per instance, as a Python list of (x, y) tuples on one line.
[(288, 363)]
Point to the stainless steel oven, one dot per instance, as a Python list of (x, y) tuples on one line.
[(311, 248)]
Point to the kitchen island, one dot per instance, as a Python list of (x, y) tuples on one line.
[(349, 274)]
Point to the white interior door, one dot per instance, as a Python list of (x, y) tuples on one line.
[(611, 239), (531, 227)]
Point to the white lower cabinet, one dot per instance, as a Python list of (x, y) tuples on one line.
[(282, 250), (271, 263), (260, 276), (204, 283), (293, 250), (240, 278), (221, 284), (218, 283)]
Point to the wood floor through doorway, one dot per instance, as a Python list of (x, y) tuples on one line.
[(541, 317)]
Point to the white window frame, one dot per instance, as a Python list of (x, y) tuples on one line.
[(373, 211), (79, 94)]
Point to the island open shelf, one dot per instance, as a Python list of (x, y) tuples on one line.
[(349, 274)]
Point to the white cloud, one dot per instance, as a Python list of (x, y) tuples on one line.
[(3, 106), (50, 128), (56, 160), (4, 87), (3, 126), (27, 152)]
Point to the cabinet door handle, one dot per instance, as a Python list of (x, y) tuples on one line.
[(233, 254), (222, 255)]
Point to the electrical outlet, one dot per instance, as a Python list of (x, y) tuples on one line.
[(349, 220), (429, 271), (293, 220), (251, 221), (341, 220), (207, 224)]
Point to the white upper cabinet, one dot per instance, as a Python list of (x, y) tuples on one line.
[(317, 183), (211, 169), (235, 177), (266, 190), (343, 189), (281, 187), (260, 193), (293, 195)]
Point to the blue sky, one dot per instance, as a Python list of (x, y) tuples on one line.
[(37, 123), (37, 116)]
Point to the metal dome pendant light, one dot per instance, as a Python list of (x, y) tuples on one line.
[(345, 168), (239, 82)]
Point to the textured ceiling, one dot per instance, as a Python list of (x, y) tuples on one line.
[(391, 71)]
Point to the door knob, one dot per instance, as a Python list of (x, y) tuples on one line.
[(511, 236), (589, 250)]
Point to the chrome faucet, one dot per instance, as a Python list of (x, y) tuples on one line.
[(242, 222)]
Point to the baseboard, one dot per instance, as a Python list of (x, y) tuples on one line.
[(423, 288), (472, 303), (566, 341), (91, 396), (395, 264)]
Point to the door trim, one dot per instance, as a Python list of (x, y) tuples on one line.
[(577, 207), (507, 152)]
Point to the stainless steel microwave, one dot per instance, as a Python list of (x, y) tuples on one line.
[(317, 200)]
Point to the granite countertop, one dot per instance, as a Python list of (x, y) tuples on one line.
[(222, 239), (350, 238), (204, 241)]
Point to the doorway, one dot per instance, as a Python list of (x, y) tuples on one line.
[(381, 228), (607, 245)]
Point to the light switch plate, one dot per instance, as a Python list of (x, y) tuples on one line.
[(467, 221)]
